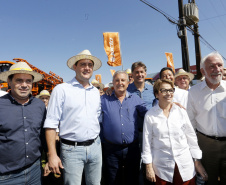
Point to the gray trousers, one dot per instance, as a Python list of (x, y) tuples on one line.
[(213, 159)]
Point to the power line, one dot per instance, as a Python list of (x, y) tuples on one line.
[(204, 41), (223, 5), (213, 17), (174, 21), (216, 12), (168, 17)]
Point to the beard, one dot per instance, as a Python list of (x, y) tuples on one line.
[(216, 80)]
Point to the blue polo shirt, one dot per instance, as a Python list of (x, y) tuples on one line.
[(20, 132), (146, 95), (119, 124)]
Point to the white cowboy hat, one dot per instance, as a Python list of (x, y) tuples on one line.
[(85, 54), (183, 72), (128, 71), (98, 83), (20, 68), (43, 93)]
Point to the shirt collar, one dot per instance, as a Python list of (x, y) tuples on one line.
[(133, 87), (147, 86), (127, 94), (159, 110), (203, 85), (75, 82), (222, 84), (14, 101)]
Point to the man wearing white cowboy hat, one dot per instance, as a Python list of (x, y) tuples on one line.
[(44, 96), (183, 79), (128, 71), (98, 85), (76, 104), (21, 121)]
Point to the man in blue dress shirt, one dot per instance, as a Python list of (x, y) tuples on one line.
[(145, 92), (76, 105), (21, 122), (120, 132)]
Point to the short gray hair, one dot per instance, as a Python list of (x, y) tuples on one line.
[(121, 72), (215, 53)]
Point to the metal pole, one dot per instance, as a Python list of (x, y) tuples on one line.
[(197, 51)]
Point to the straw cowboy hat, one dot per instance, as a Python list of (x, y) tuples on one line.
[(183, 72), (20, 68), (128, 71), (98, 83), (85, 54), (43, 93)]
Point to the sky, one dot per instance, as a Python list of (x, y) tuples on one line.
[(47, 33)]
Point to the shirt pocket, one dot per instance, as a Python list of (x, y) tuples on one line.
[(223, 111), (182, 130)]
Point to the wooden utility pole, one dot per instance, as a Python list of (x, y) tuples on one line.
[(183, 36), (197, 51), (197, 48)]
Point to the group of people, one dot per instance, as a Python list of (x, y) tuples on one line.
[(140, 133)]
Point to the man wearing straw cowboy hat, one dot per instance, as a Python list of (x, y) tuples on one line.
[(76, 104), (128, 71), (21, 121), (98, 85), (44, 96), (183, 79)]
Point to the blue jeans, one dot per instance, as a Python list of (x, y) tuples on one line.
[(77, 158), (122, 163), (28, 176)]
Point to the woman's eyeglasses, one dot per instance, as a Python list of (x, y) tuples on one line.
[(164, 91)]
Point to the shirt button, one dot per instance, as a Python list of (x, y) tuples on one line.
[(24, 117), (25, 130), (121, 115), (27, 156), (122, 124), (26, 143), (122, 133)]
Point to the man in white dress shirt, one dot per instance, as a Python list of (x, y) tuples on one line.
[(76, 105), (207, 112)]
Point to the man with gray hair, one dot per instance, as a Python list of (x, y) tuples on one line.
[(120, 133), (207, 112)]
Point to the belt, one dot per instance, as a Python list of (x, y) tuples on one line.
[(213, 137), (124, 145), (19, 170), (74, 143)]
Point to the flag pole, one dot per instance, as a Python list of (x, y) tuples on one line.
[(120, 51)]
